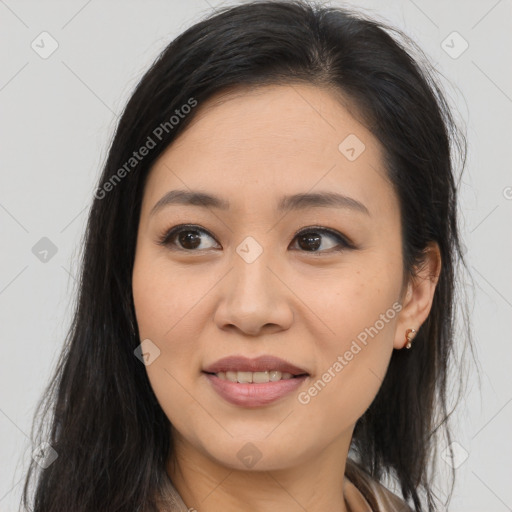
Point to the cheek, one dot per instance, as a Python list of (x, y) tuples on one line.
[(164, 301), (164, 296), (354, 300), (361, 310)]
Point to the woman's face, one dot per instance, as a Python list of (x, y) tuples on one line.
[(241, 280)]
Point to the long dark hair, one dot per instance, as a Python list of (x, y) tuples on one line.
[(109, 432)]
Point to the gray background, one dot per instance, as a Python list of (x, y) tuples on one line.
[(57, 118)]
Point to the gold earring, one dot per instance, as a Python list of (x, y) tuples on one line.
[(409, 335)]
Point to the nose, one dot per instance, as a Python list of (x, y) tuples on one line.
[(253, 297)]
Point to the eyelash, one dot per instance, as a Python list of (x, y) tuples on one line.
[(168, 235)]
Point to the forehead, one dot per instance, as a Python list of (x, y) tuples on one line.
[(273, 141)]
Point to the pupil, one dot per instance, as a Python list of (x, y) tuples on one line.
[(187, 237), (312, 241)]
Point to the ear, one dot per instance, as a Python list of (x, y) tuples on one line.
[(418, 294)]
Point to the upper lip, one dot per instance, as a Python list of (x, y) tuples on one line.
[(258, 364)]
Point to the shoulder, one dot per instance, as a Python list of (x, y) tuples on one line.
[(377, 496)]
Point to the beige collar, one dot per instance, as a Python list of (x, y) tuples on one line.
[(354, 500)]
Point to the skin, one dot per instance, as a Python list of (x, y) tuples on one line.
[(252, 146)]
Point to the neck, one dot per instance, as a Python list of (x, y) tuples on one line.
[(314, 484)]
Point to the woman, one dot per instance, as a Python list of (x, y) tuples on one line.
[(265, 317)]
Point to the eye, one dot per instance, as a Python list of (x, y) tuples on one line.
[(187, 237), (311, 240)]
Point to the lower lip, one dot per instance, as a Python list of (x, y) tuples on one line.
[(254, 395)]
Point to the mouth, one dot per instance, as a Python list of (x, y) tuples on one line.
[(265, 368), (254, 382), (256, 377)]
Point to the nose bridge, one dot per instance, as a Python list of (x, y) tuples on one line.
[(251, 275), (251, 296)]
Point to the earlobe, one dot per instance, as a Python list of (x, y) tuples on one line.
[(418, 299)]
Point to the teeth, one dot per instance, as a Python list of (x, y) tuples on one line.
[(254, 377)]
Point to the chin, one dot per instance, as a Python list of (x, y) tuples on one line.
[(256, 453)]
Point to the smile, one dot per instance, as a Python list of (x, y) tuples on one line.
[(255, 377)]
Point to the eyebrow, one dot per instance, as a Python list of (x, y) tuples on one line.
[(286, 203)]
